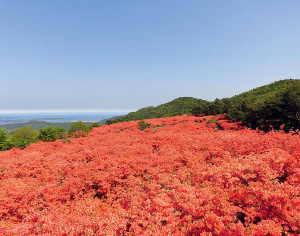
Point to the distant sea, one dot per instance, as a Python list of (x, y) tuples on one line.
[(57, 117)]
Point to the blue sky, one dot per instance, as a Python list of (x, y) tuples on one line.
[(125, 55)]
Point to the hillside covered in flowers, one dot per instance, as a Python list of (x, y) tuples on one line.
[(184, 175)]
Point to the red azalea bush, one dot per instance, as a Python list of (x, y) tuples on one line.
[(178, 177)]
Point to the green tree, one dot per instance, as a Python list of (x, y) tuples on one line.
[(24, 136), (142, 125), (3, 137), (96, 124), (50, 133), (5, 142), (110, 122), (79, 129), (217, 107), (291, 107), (201, 109)]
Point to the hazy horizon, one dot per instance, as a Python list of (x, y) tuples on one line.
[(41, 111)]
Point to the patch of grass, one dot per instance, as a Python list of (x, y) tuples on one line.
[(156, 127), (212, 121)]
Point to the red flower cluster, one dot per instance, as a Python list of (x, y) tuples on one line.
[(181, 176)]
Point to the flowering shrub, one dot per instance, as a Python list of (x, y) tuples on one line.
[(183, 178)]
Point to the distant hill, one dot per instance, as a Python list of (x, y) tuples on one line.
[(37, 125), (103, 122), (178, 106), (265, 107)]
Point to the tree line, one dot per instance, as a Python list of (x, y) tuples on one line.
[(265, 109), (24, 136), (273, 106)]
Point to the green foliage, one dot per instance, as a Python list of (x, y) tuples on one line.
[(96, 124), (109, 122), (212, 121), (142, 125), (66, 140), (179, 106), (7, 145), (5, 141), (24, 136), (201, 109), (79, 129), (21, 143), (50, 133), (156, 127), (218, 107), (35, 124), (267, 107), (3, 138)]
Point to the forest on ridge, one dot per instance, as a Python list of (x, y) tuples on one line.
[(272, 106)]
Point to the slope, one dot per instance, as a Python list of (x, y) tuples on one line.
[(181, 176), (266, 107), (178, 106)]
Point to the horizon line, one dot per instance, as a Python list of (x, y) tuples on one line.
[(66, 111)]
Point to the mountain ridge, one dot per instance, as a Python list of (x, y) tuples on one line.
[(247, 107)]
